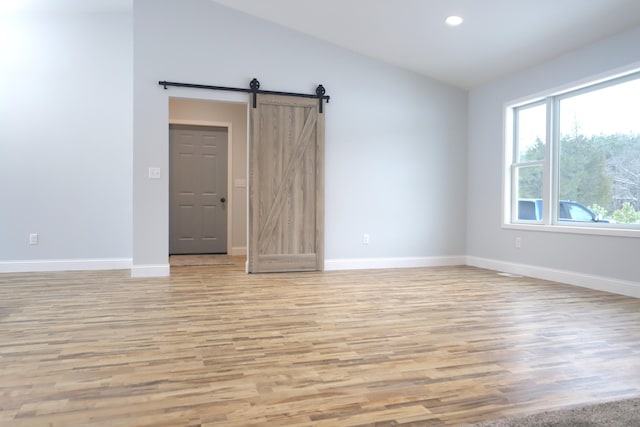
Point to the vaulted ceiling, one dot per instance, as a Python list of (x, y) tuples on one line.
[(497, 37)]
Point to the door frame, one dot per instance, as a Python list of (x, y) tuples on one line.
[(229, 127)]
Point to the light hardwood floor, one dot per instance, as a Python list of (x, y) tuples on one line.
[(212, 346)]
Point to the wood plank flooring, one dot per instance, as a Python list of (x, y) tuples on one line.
[(212, 346)]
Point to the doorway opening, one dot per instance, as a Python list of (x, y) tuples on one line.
[(208, 182)]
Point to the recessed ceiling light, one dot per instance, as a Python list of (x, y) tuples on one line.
[(453, 20)]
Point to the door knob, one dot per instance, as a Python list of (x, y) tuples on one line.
[(223, 200)]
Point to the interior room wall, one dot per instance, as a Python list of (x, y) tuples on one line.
[(395, 141), (66, 138), (605, 262), (198, 111)]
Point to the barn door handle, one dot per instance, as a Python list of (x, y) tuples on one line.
[(223, 200)]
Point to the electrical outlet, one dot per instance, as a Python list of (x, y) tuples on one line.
[(518, 242), (365, 239), (33, 239)]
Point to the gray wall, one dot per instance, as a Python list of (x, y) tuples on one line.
[(397, 154), (66, 135), (587, 259), (395, 141)]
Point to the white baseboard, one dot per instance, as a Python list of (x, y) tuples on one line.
[(238, 250), (151, 270), (64, 265), (408, 262), (606, 284), (600, 283)]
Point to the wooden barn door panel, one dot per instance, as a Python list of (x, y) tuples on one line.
[(286, 185)]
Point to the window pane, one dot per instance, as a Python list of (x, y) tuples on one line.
[(599, 153), (532, 130), (529, 192)]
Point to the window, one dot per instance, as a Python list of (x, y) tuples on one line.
[(530, 154), (573, 158)]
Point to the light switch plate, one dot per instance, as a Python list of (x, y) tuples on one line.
[(154, 173)]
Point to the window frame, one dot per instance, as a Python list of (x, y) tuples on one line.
[(550, 221)]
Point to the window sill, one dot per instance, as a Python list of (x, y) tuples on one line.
[(575, 229)]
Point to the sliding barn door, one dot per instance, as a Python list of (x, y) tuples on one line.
[(286, 185)]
